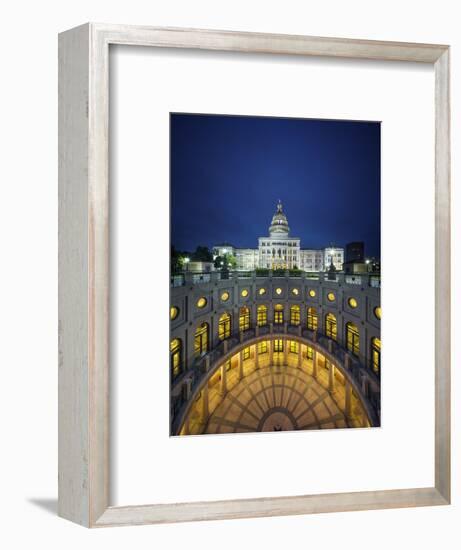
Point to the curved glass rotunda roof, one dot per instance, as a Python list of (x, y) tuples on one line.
[(279, 226)]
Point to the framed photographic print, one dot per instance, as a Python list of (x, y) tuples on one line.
[(236, 210)]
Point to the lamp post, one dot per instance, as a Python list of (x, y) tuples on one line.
[(186, 263)]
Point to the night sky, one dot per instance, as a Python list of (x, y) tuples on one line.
[(228, 172)]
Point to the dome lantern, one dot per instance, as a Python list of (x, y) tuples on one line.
[(279, 226)]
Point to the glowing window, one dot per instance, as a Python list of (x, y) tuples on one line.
[(174, 312), (278, 314), (352, 338), (377, 312), (244, 293), (225, 296), (352, 303), (201, 302), (262, 291), (278, 291), (262, 316), (331, 297), (331, 326), (293, 346), (175, 357), (244, 319), (262, 347), (295, 291), (278, 345), (376, 354), (201, 340), (312, 318), (295, 315), (246, 353), (224, 326), (312, 293)]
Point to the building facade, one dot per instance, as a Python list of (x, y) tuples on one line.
[(281, 251)]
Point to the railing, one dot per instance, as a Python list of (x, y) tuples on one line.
[(371, 280), (193, 378)]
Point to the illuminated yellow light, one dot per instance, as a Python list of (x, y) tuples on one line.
[(278, 291), (352, 302), (295, 291), (201, 302), (331, 296), (312, 293), (377, 312), (174, 312), (225, 296), (262, 291), (244, 293)]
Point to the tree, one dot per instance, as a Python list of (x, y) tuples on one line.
[(226, 262), (202, 254)]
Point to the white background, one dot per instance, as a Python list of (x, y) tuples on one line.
[(29, 250), (149, 84)]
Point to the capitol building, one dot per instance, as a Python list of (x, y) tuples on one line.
[(281, 251)]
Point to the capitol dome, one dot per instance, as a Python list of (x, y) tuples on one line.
[(279, 226)]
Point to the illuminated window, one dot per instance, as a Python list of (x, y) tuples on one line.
[(278, 345), (201, 302), (331, 326), (331, 297), (295, 291), (295, 315), (244, 293), (246, 353), (278, 291), (244, 319), (175, 357), (224, 326), (174, 312), (227, 365), (293, 346), (312, 318), (376, 355), (201, 340), (352, 303), (312, 293), (262, 347), (262, 291), (225, 296), (377, 312), (310, 353), (262, 316), (278, 314), (352, 338)]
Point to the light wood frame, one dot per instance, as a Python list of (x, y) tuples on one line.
[(84, 274)]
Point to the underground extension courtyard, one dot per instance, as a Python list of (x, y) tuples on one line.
[(279, 352)]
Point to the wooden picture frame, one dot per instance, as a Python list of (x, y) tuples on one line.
[(84, 484)]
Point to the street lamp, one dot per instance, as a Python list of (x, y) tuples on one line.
[(186, 261)]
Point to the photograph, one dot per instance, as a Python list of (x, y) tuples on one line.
[(275, 274)]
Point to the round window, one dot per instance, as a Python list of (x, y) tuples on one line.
[(201, 302)]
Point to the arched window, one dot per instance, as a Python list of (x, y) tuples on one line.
[(331, 326), (295, 315), (262, 316), (312, 319), (278, 314), (352, 338), (201, 340), (224, 326), (175, 357), (244, 319), (376, 355)]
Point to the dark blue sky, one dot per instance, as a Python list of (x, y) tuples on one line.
[(228, 172)]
